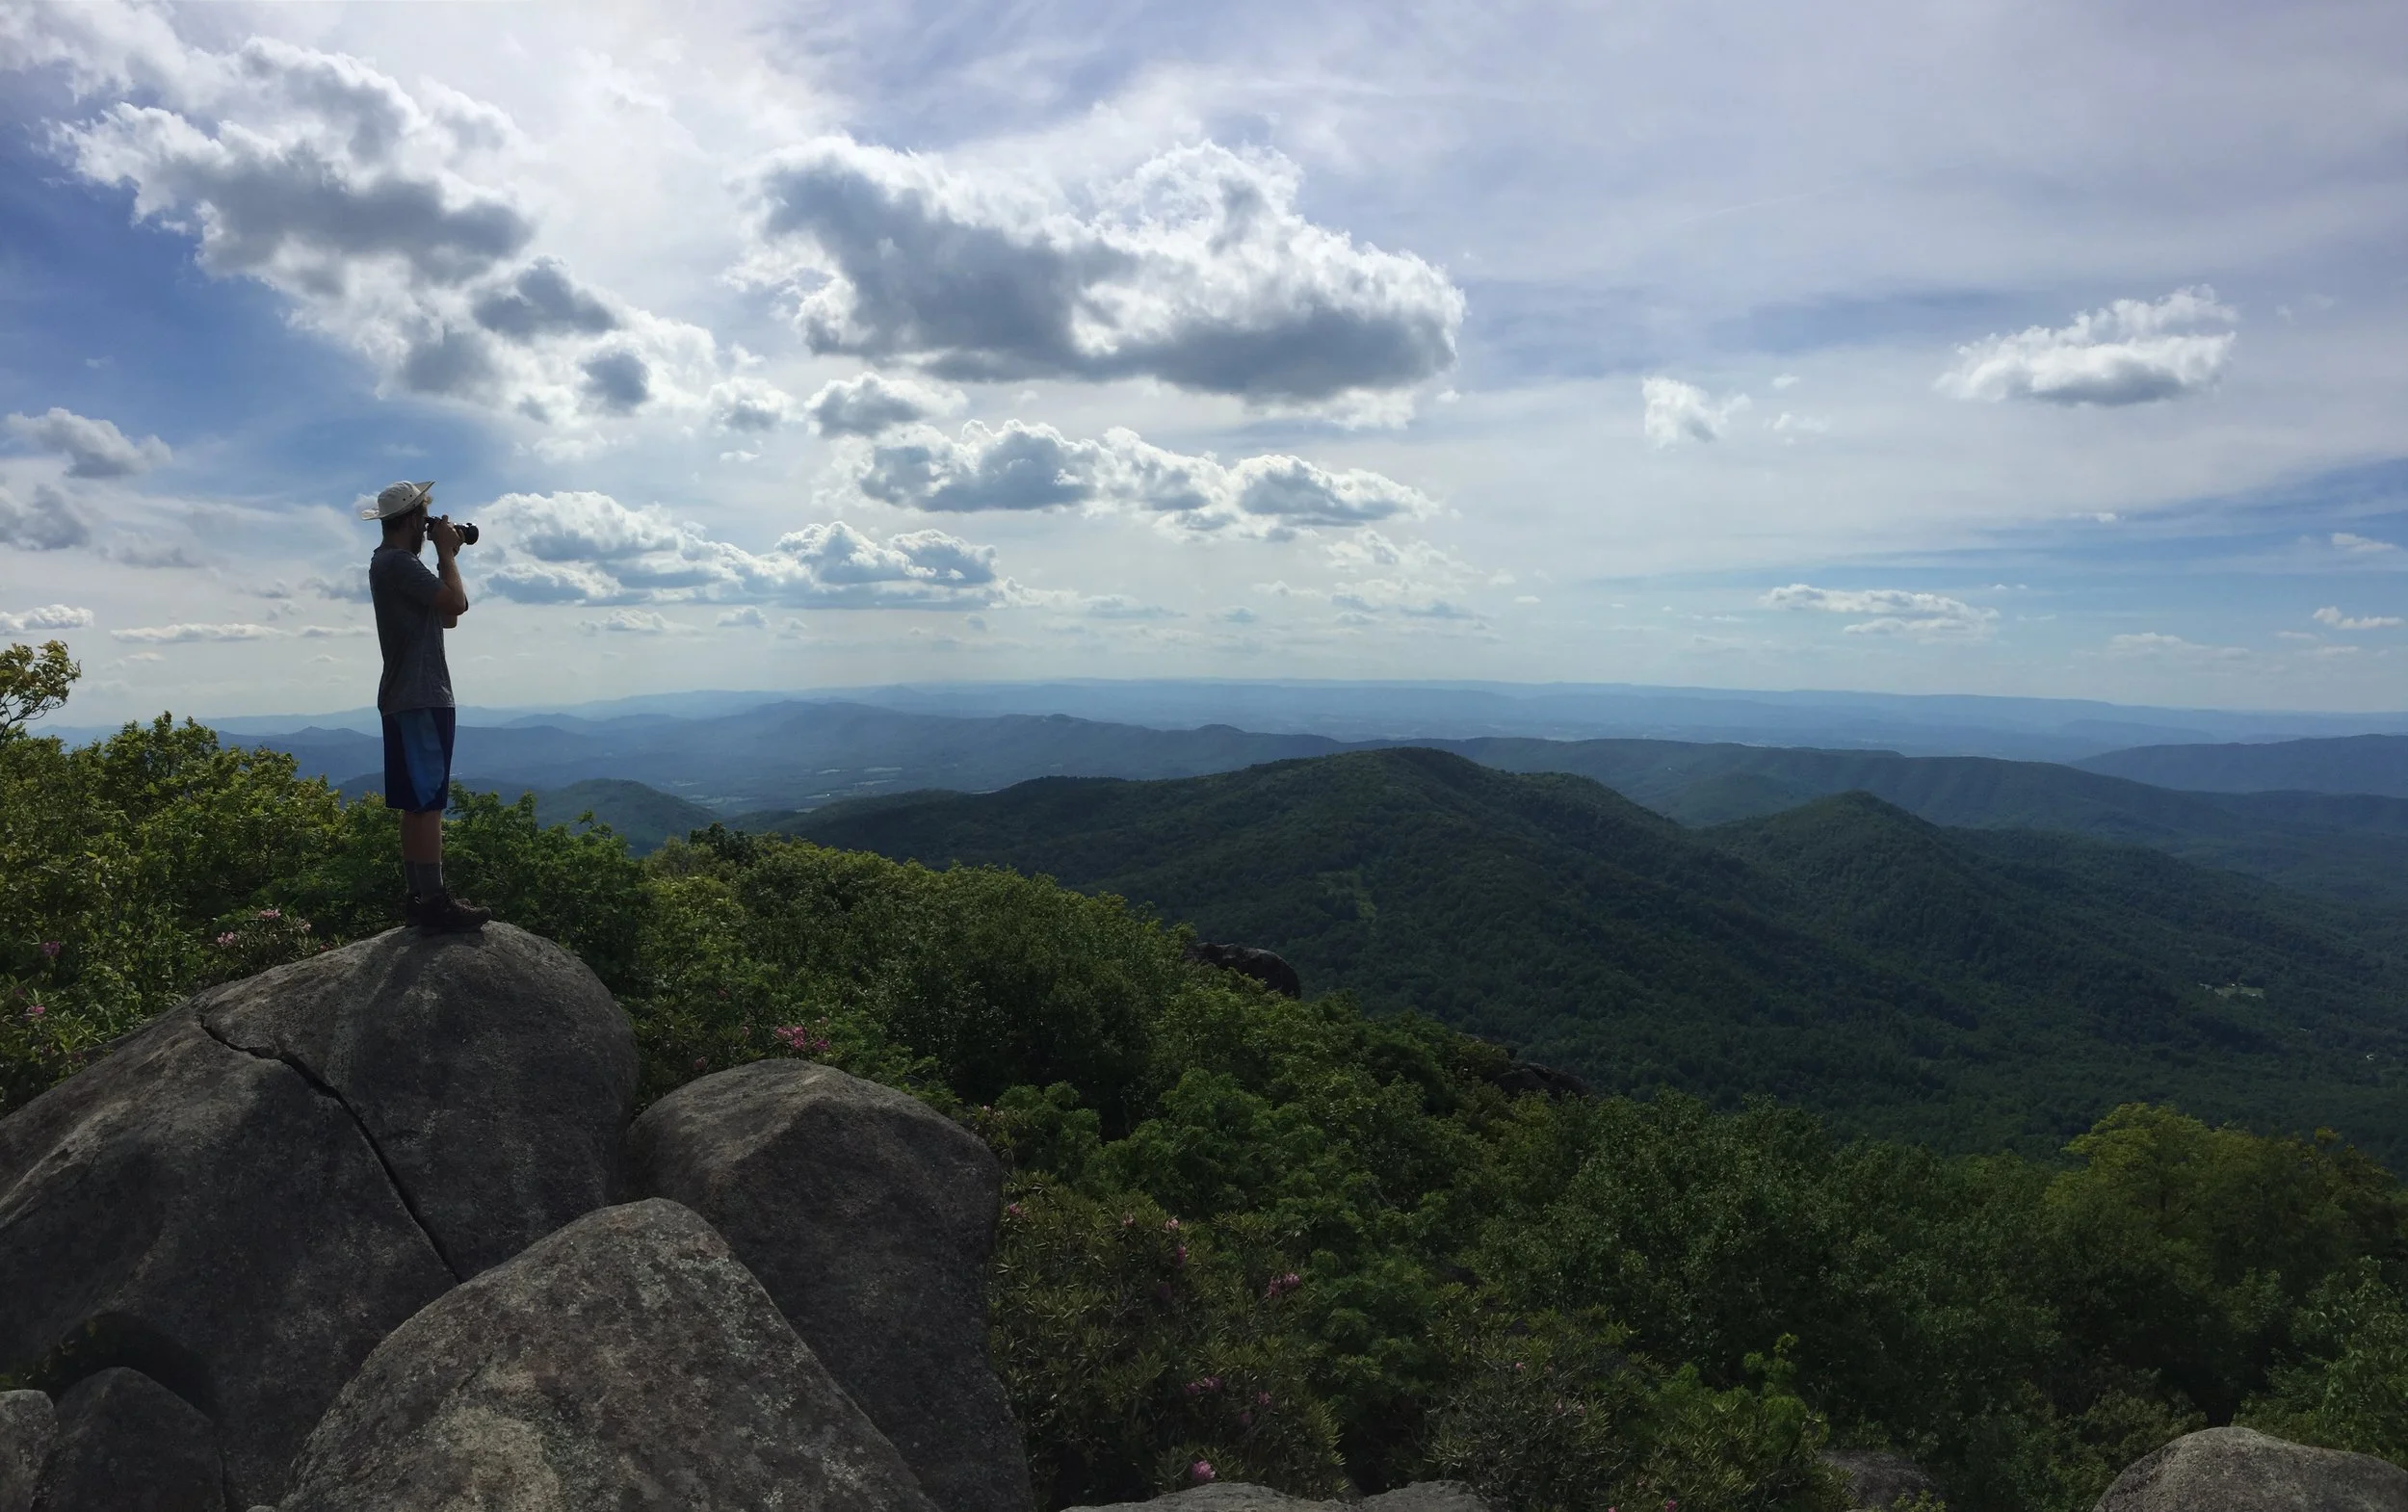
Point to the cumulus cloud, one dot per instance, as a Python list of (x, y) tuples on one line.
[(1197, 270), (2331, 616), (1022, 467), (385, 216), (1415, 578), (51, 522), (180, 635), (48, 617), (2360, 545), (633, 622), (873, 402), (1675, 413), (2153, 643), (587, 548), (93, 448), (747, 403), (2131, 353), (1889, 611)]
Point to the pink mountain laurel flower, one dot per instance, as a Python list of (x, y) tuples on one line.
[(271, 913), (1170, 1225), (226, 939), (1262, 1398), (1281, 1286), (800, 1039), (34, 1011), (1179, 1256), (50, 948), (1015, 1210), (1201, 1469)]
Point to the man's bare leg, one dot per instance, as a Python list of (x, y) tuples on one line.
[(422, 837)]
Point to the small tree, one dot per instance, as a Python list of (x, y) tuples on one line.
[(31, 686)]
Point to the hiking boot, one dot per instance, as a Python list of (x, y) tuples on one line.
[(444, 914)]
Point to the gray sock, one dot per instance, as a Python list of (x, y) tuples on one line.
[(425, 878)]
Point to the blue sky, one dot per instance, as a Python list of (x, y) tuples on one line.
[(2024, 349)]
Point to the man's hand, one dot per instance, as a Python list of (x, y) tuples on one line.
[(452, 600), (444, 535)]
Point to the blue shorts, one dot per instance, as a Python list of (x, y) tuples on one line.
[(418, 759)]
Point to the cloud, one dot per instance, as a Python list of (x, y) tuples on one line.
[(1416, 578), (633, 622), (49, 616), (2131, 353), (1676, 412), (1025, 467), (93, 448), (871, 404), (1197, 270), (2152, 643), (1889, 611), (1119, 606), (2360, 545), (587, 548), (50, 523), (748, 617), (2333, 616), (180, 635), (386, 217), (745, 403)]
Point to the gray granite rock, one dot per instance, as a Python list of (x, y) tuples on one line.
[(1875, 1480), (2240, 1470), (28, 1424), (868, 1219), (128, 1443), (208, 1218), (492, 1071), (627, 1360)]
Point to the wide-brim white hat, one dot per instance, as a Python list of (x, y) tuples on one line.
[(397, 499)]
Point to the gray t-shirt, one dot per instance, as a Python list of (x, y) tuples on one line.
[(409, 631)]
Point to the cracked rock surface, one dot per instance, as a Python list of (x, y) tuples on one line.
[(491, 1072), (208, 1219), (250, 1191)]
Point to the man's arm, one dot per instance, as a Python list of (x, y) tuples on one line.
[(453, 601)]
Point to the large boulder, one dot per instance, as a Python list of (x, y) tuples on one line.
[(869, 1218), (28, 1426), (627, 1361), (2240, 1470), (1267, 967), (208, 1218), (1878, 1480), (128, 1443), (492, 1072)]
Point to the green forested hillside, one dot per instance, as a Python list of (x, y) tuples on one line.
[(2348, 847), (2342, 764), (1322, 1249), (1971, 990)]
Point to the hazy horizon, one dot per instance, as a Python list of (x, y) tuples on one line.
[(2040, 351)]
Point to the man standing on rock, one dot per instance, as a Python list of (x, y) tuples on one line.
[(415, 607)]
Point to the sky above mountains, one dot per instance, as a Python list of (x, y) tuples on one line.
[(2033, 349)]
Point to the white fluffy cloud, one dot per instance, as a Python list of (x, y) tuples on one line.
[(2156, 644), (873, 402), (1889, 611), (180, 635), (1022, 467), (50, 522), (587, 548), (2332, 616), (93, 448), (1197, 270), (48, 617), (2131, 353), (1675, 411), (385, 216), (747, 403), (2360, 545)]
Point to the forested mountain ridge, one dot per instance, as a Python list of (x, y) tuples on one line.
[(1964, 988), (2340, 764)]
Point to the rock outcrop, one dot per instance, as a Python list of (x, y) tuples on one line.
[(2240, 1470), (1877, 1481), (28, 1426), (1235, 1496), (868, 1219), (1272, 970), (627, 1360), (128, 1443), (492, 1072), (248, 1193), (208, 1218)]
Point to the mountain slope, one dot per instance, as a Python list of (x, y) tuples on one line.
[(2376, 763), (1968, 990)]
